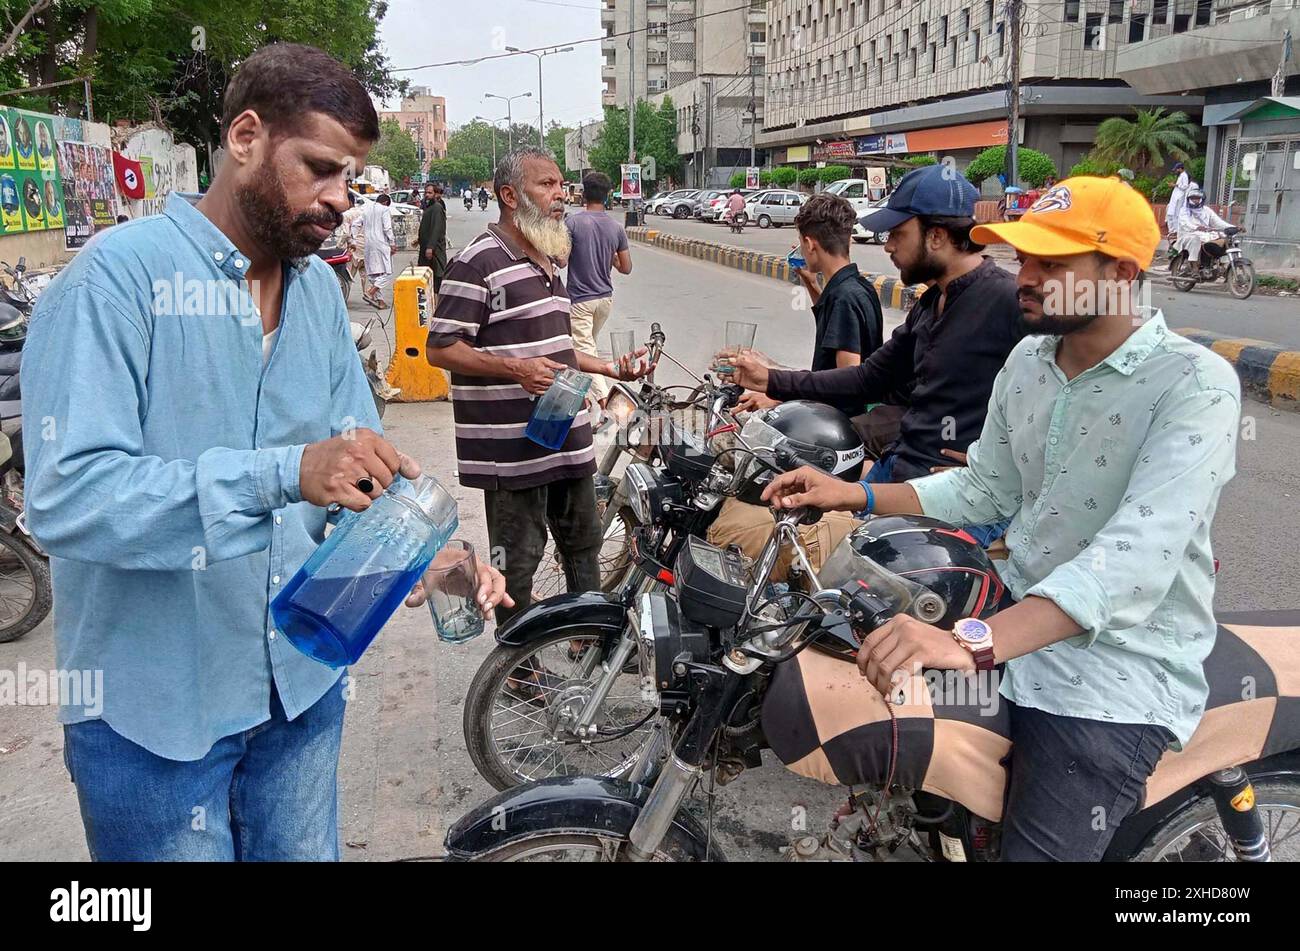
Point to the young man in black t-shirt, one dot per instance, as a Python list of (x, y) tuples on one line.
[(846, 308)]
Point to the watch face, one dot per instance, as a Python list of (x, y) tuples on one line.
[(973, 631)]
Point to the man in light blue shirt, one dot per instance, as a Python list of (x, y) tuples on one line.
[(1107, 443), (199, 404)]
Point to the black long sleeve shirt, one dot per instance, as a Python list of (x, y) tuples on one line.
[(948, 361)]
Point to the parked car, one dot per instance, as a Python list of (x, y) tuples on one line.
[(857, 192), (679, 204), (860, 234), (702, 201), (652, 206), (719, 204), (774, 208)]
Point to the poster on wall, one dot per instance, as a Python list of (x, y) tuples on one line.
[(146, 165), (631, 175), (31, 192), (87, 172)]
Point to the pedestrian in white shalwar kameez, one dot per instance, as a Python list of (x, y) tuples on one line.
[(377, 221), (1177, 199)]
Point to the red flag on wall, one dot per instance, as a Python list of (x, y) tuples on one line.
[(130, 176)]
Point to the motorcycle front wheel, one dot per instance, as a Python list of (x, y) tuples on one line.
[(518, 728), (1241, 280), (1195, 833), (589, 845)]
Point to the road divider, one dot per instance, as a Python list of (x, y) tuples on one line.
[(1267, 372), (893, 292)]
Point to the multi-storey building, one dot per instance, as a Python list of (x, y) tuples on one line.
[(1235, 54), (424, 116), (677, 41), (847, 79)]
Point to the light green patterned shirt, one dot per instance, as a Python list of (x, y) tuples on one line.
[(1111, 481)]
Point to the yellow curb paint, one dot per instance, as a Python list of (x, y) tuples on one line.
[(1229, 349), (1284, 376)]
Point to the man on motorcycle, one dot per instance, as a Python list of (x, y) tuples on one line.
[(735, 206), (482, 197), (468, 195), (1107, 443), (1200, 231)]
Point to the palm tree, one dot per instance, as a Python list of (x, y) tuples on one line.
[(1145, 142)]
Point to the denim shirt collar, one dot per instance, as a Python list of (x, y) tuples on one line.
[(1129, 355), (181, 209)]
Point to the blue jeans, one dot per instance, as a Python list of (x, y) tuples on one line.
[(984, 535), (267, 794)]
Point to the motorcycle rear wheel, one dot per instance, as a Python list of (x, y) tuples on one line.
[(589, 845), (26, 595), (1241, 280), (1195, 834)]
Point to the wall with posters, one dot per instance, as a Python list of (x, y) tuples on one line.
[(167, 165), (31, 193)]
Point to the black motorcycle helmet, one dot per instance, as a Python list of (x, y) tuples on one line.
[(955, 574), (816, 435)]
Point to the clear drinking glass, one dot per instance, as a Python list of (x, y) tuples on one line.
[(740, 335), (621, 342), (452, 585)]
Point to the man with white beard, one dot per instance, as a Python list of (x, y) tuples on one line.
[(502, 328)]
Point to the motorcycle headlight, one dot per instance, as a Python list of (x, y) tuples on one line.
[(650, 492)]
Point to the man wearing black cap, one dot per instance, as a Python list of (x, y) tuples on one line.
[(947, 351)]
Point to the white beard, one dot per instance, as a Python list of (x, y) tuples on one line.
[(543, 232)]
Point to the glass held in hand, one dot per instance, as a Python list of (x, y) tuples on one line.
[(621, 342), (451, 585)]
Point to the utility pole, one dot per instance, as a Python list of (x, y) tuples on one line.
[(695, 137), (631, 217), (1013, 88), (753, 115), (708, 131)]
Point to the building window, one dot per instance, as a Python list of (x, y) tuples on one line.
[(925, 34), (1115, 12), (988, 14), (912, 56), (895, 71), (1204, 8), (943, 31), (1137, 28), (934, 57), (965, 22), (1002, 39), (975, 46), (1071, 11), (1093, 38), (1181, 22), (757, 36), (1160, 12), (952, 59)]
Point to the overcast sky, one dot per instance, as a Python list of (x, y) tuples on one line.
[(417, 32)]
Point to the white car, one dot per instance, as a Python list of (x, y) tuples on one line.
[(861, 235), (655, 205), (856, 191), (773, 208)]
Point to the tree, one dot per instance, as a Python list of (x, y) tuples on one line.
[(555, 136), (656, 134), (395, 152), (1035, 167), (785, 176), (169, 61), (1146, 142), (738, 180), (834, 173), (809, 176)]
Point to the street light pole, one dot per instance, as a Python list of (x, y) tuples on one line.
[(541, 124), (509, 101)]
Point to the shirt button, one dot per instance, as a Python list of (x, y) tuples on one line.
[(278, 520), (218, 255), (1067, 389), (1054, 440), (275, 580), (271, 635), (239, 262)]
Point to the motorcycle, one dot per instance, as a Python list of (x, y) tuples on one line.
[(712, 653), (469, 202), (482, 202), (26, 593), (736, 221), (576, 710), (1232, 267), (16, 305)]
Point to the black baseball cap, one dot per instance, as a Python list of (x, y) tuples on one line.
[(932, 190)]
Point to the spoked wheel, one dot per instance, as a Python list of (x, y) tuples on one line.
[(1179, 271), (615, 559), (1241, 280), (522, 727), (25, 592), (1196, 835), (595, 845)]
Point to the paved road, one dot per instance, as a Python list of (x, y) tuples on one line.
[(1262, 317), (404, 773)]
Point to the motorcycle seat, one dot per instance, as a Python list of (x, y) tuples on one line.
[(825, 721)]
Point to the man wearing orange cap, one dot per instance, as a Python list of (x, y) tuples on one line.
[(1107, 441)]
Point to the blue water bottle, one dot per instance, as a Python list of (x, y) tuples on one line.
[(558, 408), (348, 589)]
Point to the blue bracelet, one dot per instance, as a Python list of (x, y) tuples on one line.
[(871, 497)]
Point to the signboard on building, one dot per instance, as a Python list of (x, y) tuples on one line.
[(870, 144), (798, 153), (828, 151), (751, 178)]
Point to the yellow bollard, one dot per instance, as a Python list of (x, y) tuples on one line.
[(409, 370)]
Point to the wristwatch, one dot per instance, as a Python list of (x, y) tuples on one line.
[(977, 637)]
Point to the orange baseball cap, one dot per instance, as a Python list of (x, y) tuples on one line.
[(1081, 214)]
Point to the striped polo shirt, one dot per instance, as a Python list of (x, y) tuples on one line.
[(498, 300)]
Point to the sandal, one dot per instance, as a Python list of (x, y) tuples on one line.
[(530, 685)]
